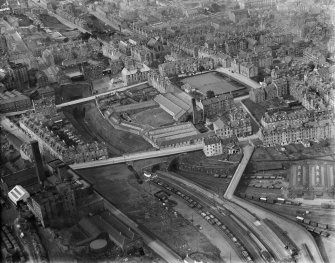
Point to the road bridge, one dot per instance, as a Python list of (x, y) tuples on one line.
[(138, 156), (246, 211), (93, 97), (247, 153), (239, 78)]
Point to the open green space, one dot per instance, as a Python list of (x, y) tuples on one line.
[(52, 22), (214, 81), (156, 117)]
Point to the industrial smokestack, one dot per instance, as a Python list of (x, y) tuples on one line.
[(194, 106), (38, 161)]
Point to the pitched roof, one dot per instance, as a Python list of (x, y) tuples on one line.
[(212, 140)]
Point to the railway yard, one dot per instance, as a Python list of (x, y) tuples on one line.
[(225, 220)]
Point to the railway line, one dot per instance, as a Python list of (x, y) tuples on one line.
[(277, 247), (222, 215), (263, 231), (252, 222)]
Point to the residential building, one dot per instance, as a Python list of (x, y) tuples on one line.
[(238, 15), (3, 44), (248, 69), (162, 84), (259, 4), (311, 99), (11, 101), (235, 123), (157, 48), (269, 39), (219, 58), (134, 72), (216, 105), (309, 131), (285, 119), (212, 146), (234, 45), (185, 66), (69, 149), (41, 79), (313, 55), (46, 206), (276, 89), (19, 73)]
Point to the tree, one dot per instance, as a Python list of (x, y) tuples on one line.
[(210, 94), (174, 165)]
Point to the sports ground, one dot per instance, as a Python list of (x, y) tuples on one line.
[(156, 117), (214, 81)]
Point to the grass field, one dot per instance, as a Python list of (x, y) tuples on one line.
[(213, 81), (154, 117), (50, 21)]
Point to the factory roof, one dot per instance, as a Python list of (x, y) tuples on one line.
[(17, 194), (170, 107), (11, 96)]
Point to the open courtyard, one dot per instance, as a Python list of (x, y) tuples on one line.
[(214, 81)]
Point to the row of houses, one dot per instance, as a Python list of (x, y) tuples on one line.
[(191, 65), (76, 20), (310, 132), (267, 91)]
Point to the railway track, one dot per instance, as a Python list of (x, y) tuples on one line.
[(222, 213), (265, 234), (263, 231)]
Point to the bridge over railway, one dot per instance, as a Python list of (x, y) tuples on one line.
[(138, 156), (93, 97)]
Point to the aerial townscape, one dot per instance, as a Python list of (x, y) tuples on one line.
[(195, 131)]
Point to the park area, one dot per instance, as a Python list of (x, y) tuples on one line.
[(52, 22), (213, 81), (119, 185), (156, 117)]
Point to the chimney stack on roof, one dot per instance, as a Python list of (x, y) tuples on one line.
[(38, 161)]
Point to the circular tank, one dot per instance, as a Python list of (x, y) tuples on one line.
[(98, 245)]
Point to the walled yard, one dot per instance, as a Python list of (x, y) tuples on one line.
[(123, 142), (87, 119)]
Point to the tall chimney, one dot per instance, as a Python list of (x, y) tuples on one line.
[(38, 161), (194, 106)]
